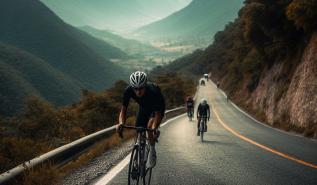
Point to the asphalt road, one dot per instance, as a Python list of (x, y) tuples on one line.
[(252, 154)]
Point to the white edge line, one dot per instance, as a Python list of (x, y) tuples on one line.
[(119, 167), (266, 125), (114, 171)]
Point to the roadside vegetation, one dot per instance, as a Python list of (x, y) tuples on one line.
[(42, 127)]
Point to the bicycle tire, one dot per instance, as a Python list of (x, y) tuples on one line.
[(202, 130), (147, 177), (134, 154)]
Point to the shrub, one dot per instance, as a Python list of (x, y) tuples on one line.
[(46, 174), (14, 151), (303, 13), (39, 120)]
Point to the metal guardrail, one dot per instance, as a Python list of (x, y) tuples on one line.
[(63, 153)]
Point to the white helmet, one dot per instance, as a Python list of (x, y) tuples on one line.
[(203, 101), (138, 79)]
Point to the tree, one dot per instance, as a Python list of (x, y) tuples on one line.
[(304, 14), (39, 121)]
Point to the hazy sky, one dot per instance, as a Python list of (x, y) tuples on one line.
[(117, 15)]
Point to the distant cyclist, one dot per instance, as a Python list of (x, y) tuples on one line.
[(202, 82), (190, 106), (218, 84), (203, 112), (206, 77), (151, 109)]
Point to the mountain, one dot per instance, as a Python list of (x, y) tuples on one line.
[(34, 28), (200, 19), (122, 16), (130, 46), (266, 62), (23, 74), (76, 57), (102, 48)]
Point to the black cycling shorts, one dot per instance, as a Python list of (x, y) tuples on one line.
[(144, 116)]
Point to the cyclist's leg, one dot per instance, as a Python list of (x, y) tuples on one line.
[(152, 153), (151, 160), (151, 123), (205, 122), (192, 111)]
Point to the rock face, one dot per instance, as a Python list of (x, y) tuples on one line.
[(290, 104), (301, 97)]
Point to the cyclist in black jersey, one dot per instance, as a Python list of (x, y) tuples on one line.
[(203, 112), (151, 108), (190, 106)]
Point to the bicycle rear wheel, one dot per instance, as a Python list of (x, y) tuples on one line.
[(134, 167), (202, 131)]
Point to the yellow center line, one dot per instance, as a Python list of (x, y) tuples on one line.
[(260, 145)]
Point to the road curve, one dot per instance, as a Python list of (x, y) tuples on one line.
[(227, 158)]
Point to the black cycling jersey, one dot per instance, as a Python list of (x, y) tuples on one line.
[(203, 110), (190, 103), (152, 100)]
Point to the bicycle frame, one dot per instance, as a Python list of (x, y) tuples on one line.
[(139, 156), (190, 113), (202, 125)]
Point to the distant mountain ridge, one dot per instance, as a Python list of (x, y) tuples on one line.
[(201, 18), (77, 58), (115, 15)]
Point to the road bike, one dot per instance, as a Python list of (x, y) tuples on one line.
[(202, 127), (139, 154)]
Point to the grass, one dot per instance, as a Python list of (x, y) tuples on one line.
[(49, 174), (96, 150), (45, 174)]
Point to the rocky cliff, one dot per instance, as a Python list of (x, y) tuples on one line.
[(293, 105)]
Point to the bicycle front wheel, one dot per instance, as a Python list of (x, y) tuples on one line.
[(147, 176), (134, 167)]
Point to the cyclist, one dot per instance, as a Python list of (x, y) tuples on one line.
[(151, 109), (202, 82), (218, 84), (203, 111), (206, 77), (190, 106)]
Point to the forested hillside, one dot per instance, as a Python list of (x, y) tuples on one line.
[(77, 59), (266, 62), (23, 74)]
